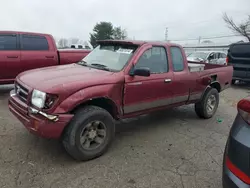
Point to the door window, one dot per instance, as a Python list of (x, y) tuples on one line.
[(8, 42), (217, 55), (222, 55), (32, 42), (155, 59)]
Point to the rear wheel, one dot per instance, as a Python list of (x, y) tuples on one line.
[(208, 105), (89, 134)]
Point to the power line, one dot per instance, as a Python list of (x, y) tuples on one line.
[(213, 37), (212, 20)]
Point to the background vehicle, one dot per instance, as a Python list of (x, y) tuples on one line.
[(21, 51), (236, 165), (212, 57), (118, 79), (239, 57)]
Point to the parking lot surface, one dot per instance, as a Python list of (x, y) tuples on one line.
[(171, 148)]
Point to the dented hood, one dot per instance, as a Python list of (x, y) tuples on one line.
[(71, 76)]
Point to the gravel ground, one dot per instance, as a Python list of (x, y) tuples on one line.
[(171, 148)]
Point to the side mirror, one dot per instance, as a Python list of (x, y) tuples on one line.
[(143, 71)]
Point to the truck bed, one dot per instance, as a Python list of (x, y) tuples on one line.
[(219, 73)]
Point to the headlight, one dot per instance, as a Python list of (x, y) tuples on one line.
[(38, 98)]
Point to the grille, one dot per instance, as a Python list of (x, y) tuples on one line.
[(21, 92)]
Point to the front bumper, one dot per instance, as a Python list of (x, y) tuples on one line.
[(37, 123)]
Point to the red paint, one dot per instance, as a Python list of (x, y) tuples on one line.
[(37, 124), (244, 109), (14, 62), (75, 84), (237, 172)]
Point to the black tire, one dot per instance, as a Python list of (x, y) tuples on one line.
[(201, 106), (233, 82), (82, 118)]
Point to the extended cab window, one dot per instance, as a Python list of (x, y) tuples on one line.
[(111, 57), (177, 59), (32, 42), (8, 42), (155, 59)]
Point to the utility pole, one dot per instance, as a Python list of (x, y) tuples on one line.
[(199, 40), (166, 34)]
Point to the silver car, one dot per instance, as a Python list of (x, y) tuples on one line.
[(212, 57)]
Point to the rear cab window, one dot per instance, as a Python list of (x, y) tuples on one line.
[(34, 42), (240, 50), (177, 59), (8, 42)]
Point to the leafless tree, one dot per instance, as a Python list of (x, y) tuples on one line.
[(75, 40), (243, 28), (62, 43)]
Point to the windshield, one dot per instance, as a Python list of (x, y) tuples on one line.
[(202, 55), (111, 57)]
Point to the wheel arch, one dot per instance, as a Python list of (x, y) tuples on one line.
[(102, 102), (215, 85)]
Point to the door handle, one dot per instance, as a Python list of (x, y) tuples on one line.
[(49, 56), (167, 80), (12, 56)]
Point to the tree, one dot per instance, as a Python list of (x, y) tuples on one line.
[(62, 43), (207, 42), (243, 28), (75, 40), (119, 33), (101, 31)]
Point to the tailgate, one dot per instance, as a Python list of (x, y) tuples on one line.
[(239, 58)]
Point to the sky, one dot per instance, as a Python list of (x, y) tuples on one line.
[(143, 19)]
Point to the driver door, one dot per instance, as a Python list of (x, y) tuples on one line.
[(145, 93)]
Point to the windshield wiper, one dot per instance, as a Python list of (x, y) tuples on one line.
[(100, 66), (82, 62)]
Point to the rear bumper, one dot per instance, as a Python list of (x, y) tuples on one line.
[(242, 75), (241, 79), (238, 152), (36, 123), (229, 180)]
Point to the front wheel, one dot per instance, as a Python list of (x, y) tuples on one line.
[(208, 105), (89, 134)]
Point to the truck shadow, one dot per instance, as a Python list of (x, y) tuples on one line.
[(4, 90), (125, 129), (241, 85), (153, 120)]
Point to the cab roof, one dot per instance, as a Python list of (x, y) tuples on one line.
[(137, 42), (23, 32)]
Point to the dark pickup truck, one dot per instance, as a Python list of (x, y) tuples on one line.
[(79, 103), (21, 51), (239, 57)]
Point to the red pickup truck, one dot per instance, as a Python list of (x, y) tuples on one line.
[(21, 51), (79, 103)]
